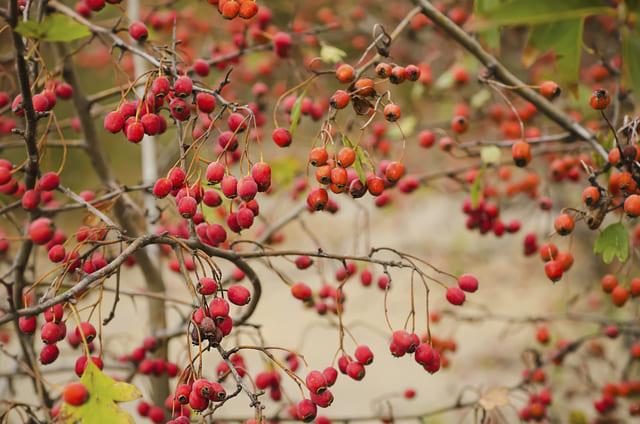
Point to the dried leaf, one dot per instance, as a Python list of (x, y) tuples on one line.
[(494, 397)]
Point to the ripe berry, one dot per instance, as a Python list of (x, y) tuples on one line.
[(394, 171), (455, 295), (216, 233), (49, 181), (459, 124), (229, 186), (207, 286), (301, 291), (281, 136), (355, 370), (339, 100), (619, 296), (383, 70), (591, 195), (282, 44), (27, 325), (468, 283), (412, 72), (31, 199), (316, 382), (179, 108), (345, 73), (364, 87), (306, 410), (248, 9), (247, 188), (346, 157), (88, 330), (75, 394), (219, 308), (521, 153), (183, 86), (600, 99), (317, 198), (363, 355), (303, 262), (553, 269), (632, 205), (187, 207), (138, 31), (398, 75), (41, 230), (564, 224), (375, 185), (392, 112), (196, 402), (238, 295), (446, 144), (50, 332), (162, 187), (424, 354), (550, 90), (229, 9), (49, 354), (134, 132), (323, 400)]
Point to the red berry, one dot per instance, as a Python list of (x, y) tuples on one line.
[(49, 181), (619, 296), (49, 354), (183, 86), (27, 325), (41, 230), (238, 295), (138, 31), (455, 295), (75, 394), (301, 291), (281, 136), (88, 330), (316, 382), (355, 370), (187, 207), (363, 355), (600, 99), (553, 269), (468, 283)]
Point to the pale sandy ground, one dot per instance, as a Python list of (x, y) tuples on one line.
[(432, 228)]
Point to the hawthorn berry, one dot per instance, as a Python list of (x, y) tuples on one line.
[(619, 296), (41, 230), (316, 382), (564, 223), (27, 324), (281, 136), (183, 86), (632, 205), (134, 132), (459, 124), (138, 31), (553, 269), (187, 207), (355, 370), (49, 181), (306, 410), (49, 354), (398, 75), (282, 44), (207, 285), (600, 99), (591, 195), (75, 394), (88, 330), (424, 354), (317, 198), (162, 187), (179, 108), (229, 186), (238, 295), (468, 283), (363, 355), (394, 171), (392, 112), (345, 73), (521, 153), (550, 90), (301, 291), (455, 295)]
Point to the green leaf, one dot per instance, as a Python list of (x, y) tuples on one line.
[(613, 241), (476, 190), (295, 111), (491, 35), (331, 54), (55, 27), (359, 159), (566, 40), (101, 406), (528, 12), (577, 417), (631, 57)]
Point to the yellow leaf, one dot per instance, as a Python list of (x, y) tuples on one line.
[(101, 406)]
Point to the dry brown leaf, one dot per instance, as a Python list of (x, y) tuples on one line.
[(494, 397)]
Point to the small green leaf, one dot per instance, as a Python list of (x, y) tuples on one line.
[(566, 40), (331, 54), (480, 98), (490, 154), (527, 12), (631, 57), (101, 406), (55, 27), (492, 35), (295, 111), (613, 241), (476, 190)]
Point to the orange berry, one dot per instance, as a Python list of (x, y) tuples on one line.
[(383, 70), (346, 157), (318, 156), (634, 287), (564, 224), (632, 205), (619, 296), (392, 112), (75, 394), (600, 99), (550, 90), (345, 73), (591, 195), (521, 153), (459, 124), (565, 259), (394, 171), (364, 87), (608, 283)]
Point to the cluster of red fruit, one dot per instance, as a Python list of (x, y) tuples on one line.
[(536, 407), (212, 321), (612, 394), (188, 197), (619, 293), (484, 216)]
